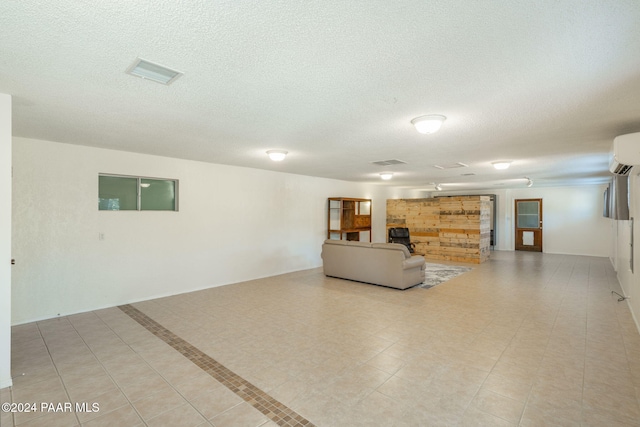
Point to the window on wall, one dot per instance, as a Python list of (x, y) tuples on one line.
[(133, 193)]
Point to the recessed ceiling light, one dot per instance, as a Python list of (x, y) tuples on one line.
[(277, 155), (151, 71), (386, 175)]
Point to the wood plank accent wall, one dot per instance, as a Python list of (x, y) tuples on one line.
[(445, 228)]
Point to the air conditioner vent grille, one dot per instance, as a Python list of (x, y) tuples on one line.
[(622, 169)]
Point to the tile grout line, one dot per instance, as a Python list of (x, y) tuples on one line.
[(263, 402), (106, 370), (55, 366)]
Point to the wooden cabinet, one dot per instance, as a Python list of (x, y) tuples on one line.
[(348, 217)]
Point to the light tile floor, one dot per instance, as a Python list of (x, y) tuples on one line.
[(524, 339)]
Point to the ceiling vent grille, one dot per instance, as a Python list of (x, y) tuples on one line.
[(155, 72), (451, 166), (389, 162)]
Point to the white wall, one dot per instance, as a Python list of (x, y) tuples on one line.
[(572, 218), (234, 224), (5, 240)]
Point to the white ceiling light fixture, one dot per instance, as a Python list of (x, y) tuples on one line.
[(438, 187), (428, 124), (152, 71), (277, 155), (386, 175), (501, 165), (529, 181)]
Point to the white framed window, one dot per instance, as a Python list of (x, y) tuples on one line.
[(136, 193)]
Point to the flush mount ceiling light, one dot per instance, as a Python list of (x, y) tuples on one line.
[(529, 181), (503, 164), (428, 124), (438, 187), (386, 175), (151, 71), (277, 155)]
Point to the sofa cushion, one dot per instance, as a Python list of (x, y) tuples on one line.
[(394, 246), (357, 243)]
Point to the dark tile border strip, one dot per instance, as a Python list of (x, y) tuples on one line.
[(274, 410)]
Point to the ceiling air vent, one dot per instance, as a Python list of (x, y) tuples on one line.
[(389, 162), (451, 166), (155, 72)]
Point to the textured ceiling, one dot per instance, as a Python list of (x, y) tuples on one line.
[(547, 84)]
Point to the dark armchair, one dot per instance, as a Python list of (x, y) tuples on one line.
[(401, 235)]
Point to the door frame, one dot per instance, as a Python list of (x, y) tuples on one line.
[(537, 232), (5, 240)]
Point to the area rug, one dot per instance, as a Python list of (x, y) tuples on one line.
[(440, 273)]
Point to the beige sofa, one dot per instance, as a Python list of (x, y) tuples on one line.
[(386, 264)]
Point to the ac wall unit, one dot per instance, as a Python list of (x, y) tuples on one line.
[(625, 153)]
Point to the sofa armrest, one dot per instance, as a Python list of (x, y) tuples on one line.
[(413, 262)]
